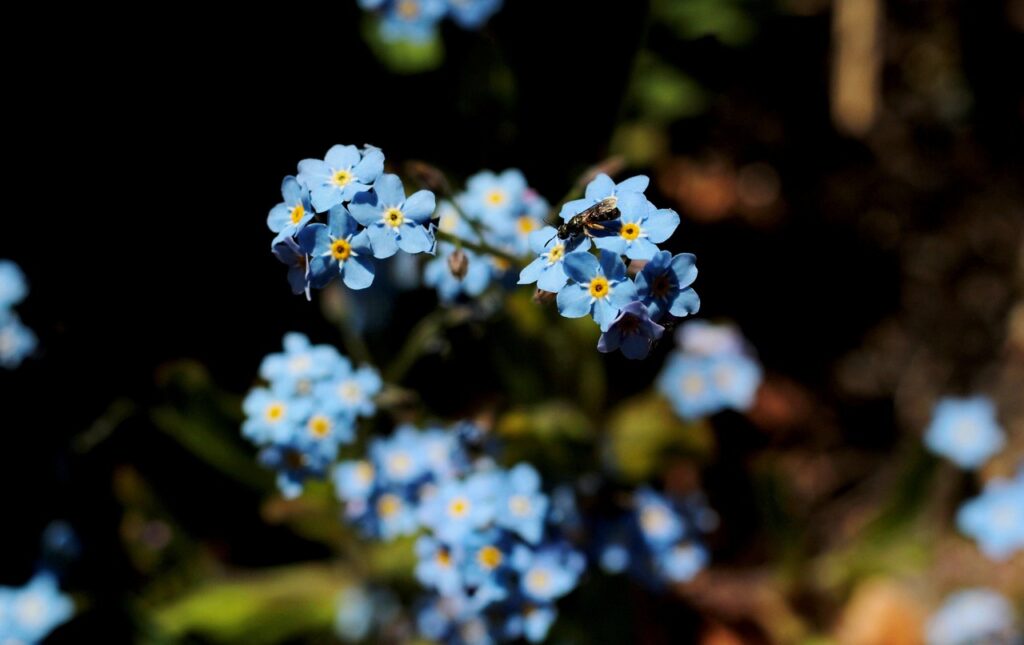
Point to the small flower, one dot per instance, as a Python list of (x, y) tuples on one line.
[(681, 562), (436, 565), (548, 573), (350, 391), (460, 507), (300, 365), (287, 250), (438, 274), (494, 199), (639, 228), (295, 462), (660, 524), (472, 14), (17, 341), (355, 614), (973, 616), (392, 221), (291, 215), (272, 417), (343, 173), (995, 519), (707, 339), (338, 248), (547, 270), (600, 188), (35, 610), (399, 458), (522, 506), (354, 480), (633, 331), (664, 285), (736, 379), (411, 20), (599, 288), (13, 287), (965, 431), (395, 515)]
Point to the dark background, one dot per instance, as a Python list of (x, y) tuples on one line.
[(143, 159)]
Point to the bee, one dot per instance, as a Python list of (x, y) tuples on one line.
[(590, 220)]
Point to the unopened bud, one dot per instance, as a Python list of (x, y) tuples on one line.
[(458, 263), (542, 297)]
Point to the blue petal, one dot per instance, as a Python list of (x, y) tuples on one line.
[(612, 266), (633, 206), (370, 167), (539, 239), (605, 312), (602, 186), (413, 238), (366, 209), (419, 206), (342, 156), (641, 249), (312, 172), (572, 208), (531, 272), (340, 223), (661, 224), (291, 191), (477, 278), (684, 266), (324, 197), (321, 271), (636, 346), (637, 184), (553, 279), (279, 217), (573, 301), (622, 293), (389, 189), (383, 241), (581, 266), (357, 272), (613, 243), (314, 239), (609, 340), (686, 303)]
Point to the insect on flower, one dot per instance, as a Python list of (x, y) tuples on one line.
[(590, 219)]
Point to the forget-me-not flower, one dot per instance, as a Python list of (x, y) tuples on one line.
[(547, 269), (995, 519), (13, 287), (344, 172), (632, 331), (965, 431), (663, 285), (973, 616), (600, 188), (639, 229), (338, 248), (599, 288), (393, 221), (292, 214)]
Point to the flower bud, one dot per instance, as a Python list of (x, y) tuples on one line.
[(458, 263)]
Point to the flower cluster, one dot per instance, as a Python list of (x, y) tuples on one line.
[(16, 340), (307, 410), (711, 371), (659, 540), (965, 431), (342, 211), (630, 312), (416, 20), (974, 616), (489, 552), (995, 519), (29, 613)]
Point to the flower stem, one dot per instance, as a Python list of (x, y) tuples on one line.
[(478, 247)]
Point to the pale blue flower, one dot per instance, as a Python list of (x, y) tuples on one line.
[(965, 431)]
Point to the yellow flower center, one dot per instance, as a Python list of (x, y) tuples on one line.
[(399, 463), (489, 557), (350, 391), (444, 558), (538, 580), (364, 472), (408, 9), (630, 231), (653, 519), (526, 224), (393, 217), (319, 426), (692, 385), (458, 507), (448, 222), (599, 287), (501, 264), (340, 250), (556, 253), (340, 178), (300, 363), (496, 198), (519, 505), (274, 412), (298, 212), (388, 505)]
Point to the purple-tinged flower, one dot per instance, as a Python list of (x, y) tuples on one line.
[(633, 332)]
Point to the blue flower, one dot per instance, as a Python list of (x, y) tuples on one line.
[(548, 573), (472, 14), (548, 270), (400, 457), (28, 614), (300, 365), (294, 212), (601, 289), (272, 416), (633, 331), (354, 480), (698, 385), (343, 173), (965, 431), (411, 20), (494, 199), (663, 285), (484, 566), (13, 287), (287, 250), (600, 188), (995, 519), (736, 379), (338, 248), (707, 339), (436, 565), (969, 616), (681, 562), (16, 340), (522, 505), (392, 221), (395, 515), (459, 507), (350, 391), (437, 274), (660, 524), (295, 462), (639, 229), (537, 621), (355, 613)]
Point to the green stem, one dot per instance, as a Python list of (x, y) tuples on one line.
[(425, 330), (479, 247)]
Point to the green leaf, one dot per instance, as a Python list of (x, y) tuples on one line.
[(404, 57)]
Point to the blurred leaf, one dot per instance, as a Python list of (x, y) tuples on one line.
[(393, 560), (663, 93), (314, 515), (264, 607), (640, 144), (403, 57), (644, 428), (726, 20), (549, 421)]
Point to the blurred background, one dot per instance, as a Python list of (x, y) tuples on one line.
[(849, 174)]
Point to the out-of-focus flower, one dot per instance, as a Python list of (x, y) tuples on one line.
[(393, 221), (437, 273), (472, 14), (599, 288), (17, 341), (995, 519), (974, 616), (632, 331), (522, 506), (287, 250), (354, 617), (411, 20), (13, 287), (344, 172), (965, 431), (28, 614)]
